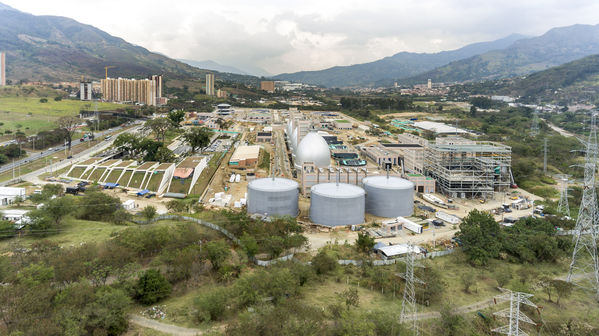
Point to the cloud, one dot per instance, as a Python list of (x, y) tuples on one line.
[(286, 36)]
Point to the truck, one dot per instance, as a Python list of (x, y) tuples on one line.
[(451, 219), (408, 224)]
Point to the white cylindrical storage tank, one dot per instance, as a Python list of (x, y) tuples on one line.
[(273, 197), (335, 204), (389, 196), (294, 139)]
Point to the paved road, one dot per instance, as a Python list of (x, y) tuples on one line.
[(33, 176), (47, 152)]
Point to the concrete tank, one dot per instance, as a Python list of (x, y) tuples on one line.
[(336, 204), (273, 197), (389, 196)]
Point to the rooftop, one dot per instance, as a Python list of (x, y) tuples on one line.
[(244, 152)]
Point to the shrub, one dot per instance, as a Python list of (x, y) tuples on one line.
[(152, 287), (212, 305)]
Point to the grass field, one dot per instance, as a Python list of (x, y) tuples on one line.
[(30, 116)]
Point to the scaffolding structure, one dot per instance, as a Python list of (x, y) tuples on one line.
[(468, 169)]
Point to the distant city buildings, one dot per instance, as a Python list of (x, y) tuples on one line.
[(85, 90), (210, 84), (2, 68), (268, 86), (144, 91)]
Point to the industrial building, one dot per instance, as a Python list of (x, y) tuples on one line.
[(381, 156), (210, 84), (264, 137), (466, 169), (8, 195), (245, 157), (422, 184), (2, 68), (439, 128), (342, 124), (312, 175), (144, 91)]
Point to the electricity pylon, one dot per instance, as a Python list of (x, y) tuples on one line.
[(563, 207), (534, 126), (584, 269), (513, 313), (408, 305)]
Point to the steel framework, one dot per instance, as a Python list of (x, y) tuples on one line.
[(563, 207), (408, 305), (465, 168), (534, 125), (584, 268), (513, 313)]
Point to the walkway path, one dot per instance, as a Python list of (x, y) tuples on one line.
[(163, 327)]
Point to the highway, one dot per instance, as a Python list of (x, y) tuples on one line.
[(57, 149)]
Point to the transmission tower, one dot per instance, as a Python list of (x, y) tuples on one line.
[(534, 126), (408, 306), (562, 206), (545, 157), (513, 313), (584, 269)]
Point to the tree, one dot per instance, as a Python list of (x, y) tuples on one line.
[(212, 305), (217, 252), (177, 205), (176, 117), (350, 297), (472, 111), (43, 100), (149, 212), (452, 324), (152, 287), (164, 154), (58, 208), (480, 235), (108, 312), (249, 245), (129, 143), (323, 263), (197, 137), (364, 243), (7, 230), (69, 126), (158, 126), (58, 98), (96, 205), (468, 281), (562, 288)]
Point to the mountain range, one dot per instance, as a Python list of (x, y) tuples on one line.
[(212, 65), (556, 47), (511, 56), (400, 65), (53, 48)]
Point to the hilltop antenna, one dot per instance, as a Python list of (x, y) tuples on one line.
[(563, 207), (584, 256), (513, 313), (408, 305)]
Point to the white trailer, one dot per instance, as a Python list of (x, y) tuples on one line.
[(408, 224), (451, 219)]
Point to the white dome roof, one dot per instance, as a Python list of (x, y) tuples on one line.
[(294, 139), (313, 148)]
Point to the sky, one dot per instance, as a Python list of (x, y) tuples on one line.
[(288, 35)]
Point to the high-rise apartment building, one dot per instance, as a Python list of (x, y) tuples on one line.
[(144, 91), (210, 84), (85, 90), (268, 86), (2, 68)]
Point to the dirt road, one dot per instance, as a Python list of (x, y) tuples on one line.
[(163, 327)]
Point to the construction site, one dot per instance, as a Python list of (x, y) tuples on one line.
[(468, 169)]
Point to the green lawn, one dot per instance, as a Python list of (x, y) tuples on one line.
[(51, 108)]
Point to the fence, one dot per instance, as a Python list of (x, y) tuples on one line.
[(266, 263)]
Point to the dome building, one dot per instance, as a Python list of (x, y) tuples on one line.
[(313, 148)]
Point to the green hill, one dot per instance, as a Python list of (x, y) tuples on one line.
[(53, 48), (556, 47)]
